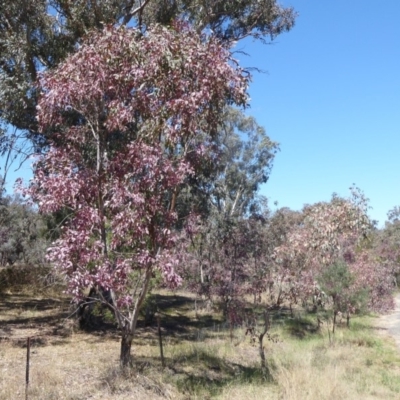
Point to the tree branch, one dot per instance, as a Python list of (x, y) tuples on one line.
[(132, 13)]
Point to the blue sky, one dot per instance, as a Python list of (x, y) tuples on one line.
[(331, 98)]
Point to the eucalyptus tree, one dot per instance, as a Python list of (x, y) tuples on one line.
[(126, 110), (245, 163), (229, 189), (22, 234)]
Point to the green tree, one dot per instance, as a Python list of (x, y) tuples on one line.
[(226, 189), (337, 282), (245, 163), (386, 243), (227, 184), (22, 234)]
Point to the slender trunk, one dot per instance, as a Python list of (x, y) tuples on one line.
[(279, 298), (125, 358), (128, 331), (267, 325), (261, 351), (160, 342), (348, 320), (139, 302), (100, 202), (173, 199), (334, 321), (235, 203), (319, 322)]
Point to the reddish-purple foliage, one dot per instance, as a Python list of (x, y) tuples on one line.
[(126, 110), (229, 263), (374, 276), (330, 232), (280, 260)]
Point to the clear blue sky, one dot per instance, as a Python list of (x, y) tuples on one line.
[(331, 98)]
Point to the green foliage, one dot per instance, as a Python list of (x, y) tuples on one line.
[(226, 185), (386, 243), (245, 162), (22, 277), (23, 244), (336, 280), (22, 234), (103, 314)]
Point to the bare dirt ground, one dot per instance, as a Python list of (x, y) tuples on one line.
[(389, 324)]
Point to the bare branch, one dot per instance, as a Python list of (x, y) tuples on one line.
[(137, 10)]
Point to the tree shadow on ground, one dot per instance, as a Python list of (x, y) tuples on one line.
[(201, 372), (26, 301), (298, 324), (173, 313), (22, 311), (44, 311), (301, 328)]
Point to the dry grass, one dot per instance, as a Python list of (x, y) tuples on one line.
[(83, 367), (202, 361), (356, 364)]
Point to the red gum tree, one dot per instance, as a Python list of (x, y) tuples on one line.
[(126, 110)]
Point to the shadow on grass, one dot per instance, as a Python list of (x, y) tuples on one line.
[(200, 373), (176, 325), (25, 301), (300, 328), (42, 312), (175, 322)]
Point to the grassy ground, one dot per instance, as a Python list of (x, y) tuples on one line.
[(203, 361)]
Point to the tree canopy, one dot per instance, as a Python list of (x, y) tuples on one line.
[(37, 35), (126, 110)]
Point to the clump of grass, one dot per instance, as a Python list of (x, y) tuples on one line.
[(136, 382)]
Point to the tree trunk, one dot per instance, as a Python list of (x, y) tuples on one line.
[(261, 351), (160, 341), (128, 331), (348, 320), (267, 325), (125, 358), (334, 321)]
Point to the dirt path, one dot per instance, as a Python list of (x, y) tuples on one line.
[(390, 323)]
